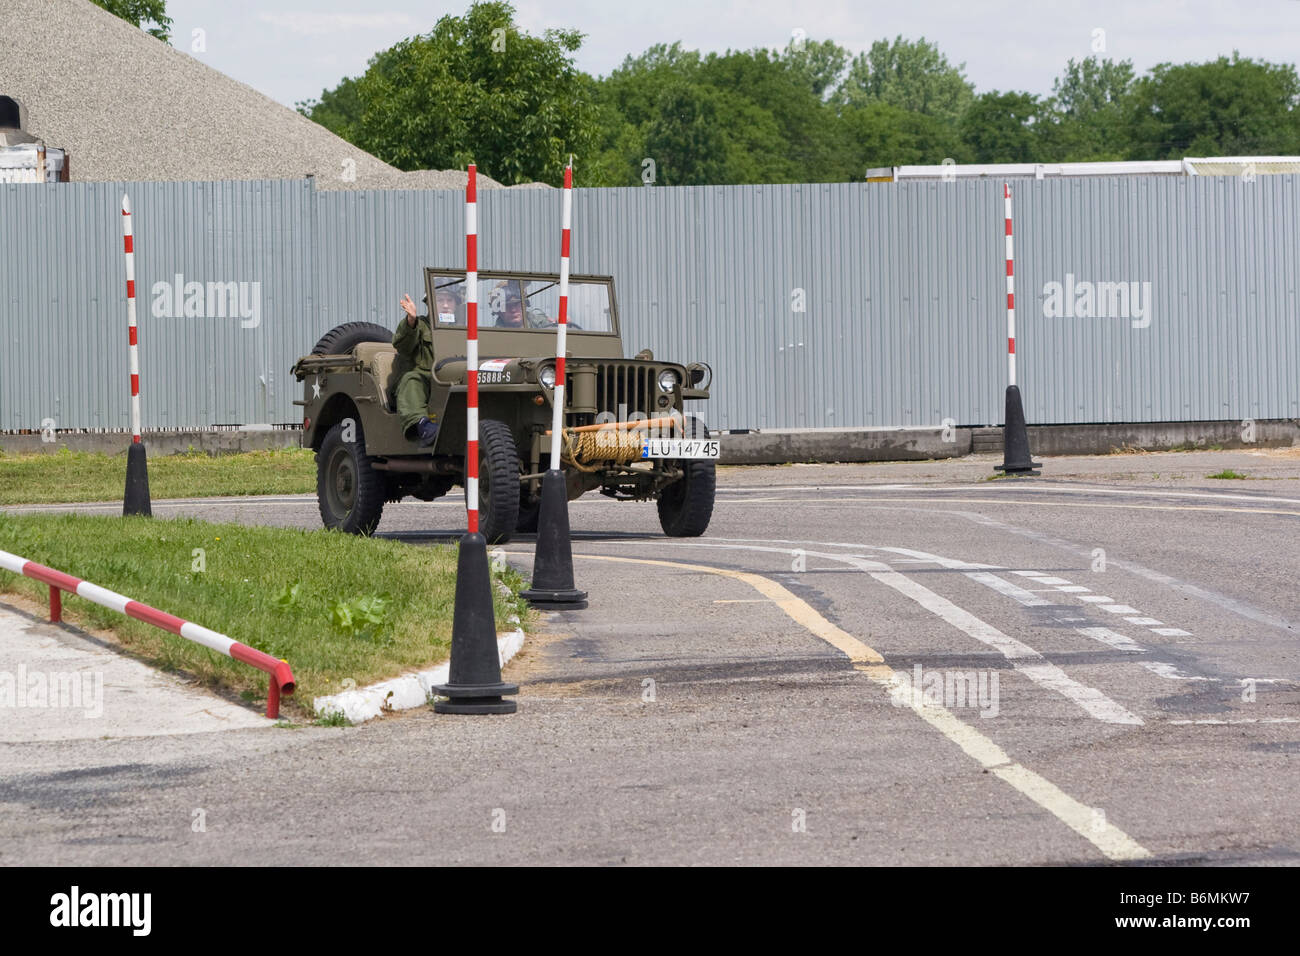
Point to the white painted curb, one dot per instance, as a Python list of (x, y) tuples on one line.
[(407, 691)]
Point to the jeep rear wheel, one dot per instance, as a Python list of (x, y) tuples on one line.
[(686, 506), (498, 482), (348, 489)]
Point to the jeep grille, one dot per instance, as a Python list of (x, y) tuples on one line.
[(631, 385)]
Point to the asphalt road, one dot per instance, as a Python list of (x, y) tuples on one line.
[(1105, 659)]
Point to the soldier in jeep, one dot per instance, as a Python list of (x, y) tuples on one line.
[(414, 343)]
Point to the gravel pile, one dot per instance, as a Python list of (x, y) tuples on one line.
[(129, 107)]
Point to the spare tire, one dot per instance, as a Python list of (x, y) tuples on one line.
[(343, 338)]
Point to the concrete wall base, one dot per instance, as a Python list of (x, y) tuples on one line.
[(777, 447)]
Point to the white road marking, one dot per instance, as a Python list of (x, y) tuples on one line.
[(1113, 842), (1051, 580), (1096, 599), (1023, 658), (1003, 586), (1073, 588), (1112, 638), (1170, 672), (1144, 621), (1171, 632), (1118, 608)]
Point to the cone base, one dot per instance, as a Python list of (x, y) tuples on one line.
[(1033, 468), (476, 705), (572, 599), (135, 498)]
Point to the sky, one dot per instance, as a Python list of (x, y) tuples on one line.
[(293, 49)]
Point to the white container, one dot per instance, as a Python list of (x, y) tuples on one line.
[(22, 164)]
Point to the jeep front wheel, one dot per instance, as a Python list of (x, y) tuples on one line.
[(686, 506), (498, 482), (348, 489)]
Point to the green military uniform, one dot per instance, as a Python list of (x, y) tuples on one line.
[(413, 366)]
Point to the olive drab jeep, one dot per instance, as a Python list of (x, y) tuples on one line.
[(626, 432)]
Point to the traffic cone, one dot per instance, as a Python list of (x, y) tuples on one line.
[(1016, 459), (135, 501), (553, 560), (474, 685)]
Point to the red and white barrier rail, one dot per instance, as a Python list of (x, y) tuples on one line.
[(281, 682), (1011, 290), (128, 244), (562, 328), (471, 353)]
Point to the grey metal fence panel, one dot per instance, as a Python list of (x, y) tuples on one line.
[(220, 360), (818, 305)]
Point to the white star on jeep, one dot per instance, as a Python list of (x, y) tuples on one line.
[(315, 387)]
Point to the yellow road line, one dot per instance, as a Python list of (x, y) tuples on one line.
[(1114, 843)]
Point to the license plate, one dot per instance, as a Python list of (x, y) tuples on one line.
[(679, 448)]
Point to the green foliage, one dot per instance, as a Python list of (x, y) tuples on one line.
[(288, 596), (910, 74), (360, 617), (810, 112), (1225, 107), (140, 13), (473, 89), (999, 128), (1083, 119)]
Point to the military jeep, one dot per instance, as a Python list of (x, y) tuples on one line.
[(626, 431)]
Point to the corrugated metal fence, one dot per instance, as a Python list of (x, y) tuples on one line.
[(818, 305)]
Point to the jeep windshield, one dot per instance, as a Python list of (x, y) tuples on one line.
[(514, 303)]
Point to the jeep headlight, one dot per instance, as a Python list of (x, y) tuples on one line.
[(546, 375), (669, 380)]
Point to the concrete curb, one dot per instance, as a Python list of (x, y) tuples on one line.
[(405, 692), (780, 446), (785, 446)]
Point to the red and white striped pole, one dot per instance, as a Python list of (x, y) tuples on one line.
[(128, 245), (471, 352), (1011, 291), (1016, 457), (281, 676), (474, 684), (562, 328)]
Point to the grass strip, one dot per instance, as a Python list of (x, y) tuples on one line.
[(71, 476), (335, 606)]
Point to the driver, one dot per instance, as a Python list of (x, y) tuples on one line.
[(507, 306)]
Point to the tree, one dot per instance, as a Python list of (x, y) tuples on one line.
[(141, 12), (999, 128), (685, 139), (473, 89), (1221, 107), (912, 75), (1082, 121), (817, 63), (878, 134)]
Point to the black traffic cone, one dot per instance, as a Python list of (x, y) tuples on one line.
[(553, 559), (474, 685), (135, 501), (1016, 459)]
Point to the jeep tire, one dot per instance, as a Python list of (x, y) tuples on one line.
[(686, 505), (341, 339), (498, 482), (349, 491)]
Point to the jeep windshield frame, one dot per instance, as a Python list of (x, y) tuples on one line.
[(434, 279)]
